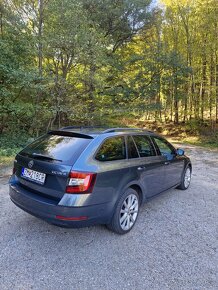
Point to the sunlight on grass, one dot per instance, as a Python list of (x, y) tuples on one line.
[(6, 161), (196, 141)]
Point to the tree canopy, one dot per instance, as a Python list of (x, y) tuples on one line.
[(98, 62)]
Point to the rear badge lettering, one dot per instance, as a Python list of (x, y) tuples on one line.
[(59, 173)]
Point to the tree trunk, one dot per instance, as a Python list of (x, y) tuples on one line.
[(176, 111), (216, 82), (171, 103), (185, 107), (1, 24), (191, 98), (40, 46), (36, 118), (91, 89), (211, 86), (203, 82), (176, 104)]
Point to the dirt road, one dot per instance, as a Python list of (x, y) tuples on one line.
[(174, 244)]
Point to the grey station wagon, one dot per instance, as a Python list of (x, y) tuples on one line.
[(75, 178)]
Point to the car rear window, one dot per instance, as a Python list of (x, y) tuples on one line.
[(61, 148)]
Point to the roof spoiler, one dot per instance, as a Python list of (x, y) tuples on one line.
[(70, 134)]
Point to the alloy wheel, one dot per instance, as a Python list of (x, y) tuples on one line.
[(187, 177), (129, 212)]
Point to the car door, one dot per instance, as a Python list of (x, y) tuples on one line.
[(146, 165), (174, 164)]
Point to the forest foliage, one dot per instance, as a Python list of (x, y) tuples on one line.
[(103, 62)]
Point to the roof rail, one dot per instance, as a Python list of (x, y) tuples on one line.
[(103, 129), (111, 130)]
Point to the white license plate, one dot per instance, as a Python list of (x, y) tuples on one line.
[(33, 175)]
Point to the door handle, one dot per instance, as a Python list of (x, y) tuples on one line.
[(141, 168), (166, 163)]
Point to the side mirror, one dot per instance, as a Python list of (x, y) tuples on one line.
[(180, 152)]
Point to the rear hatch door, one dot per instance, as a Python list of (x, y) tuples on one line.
[(43, 166)]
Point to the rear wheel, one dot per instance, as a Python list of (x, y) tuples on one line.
[(186, 179), (126, 212)]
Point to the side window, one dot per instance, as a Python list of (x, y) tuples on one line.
[(165, 148), (144, 146), (132, 151), (112, 149)]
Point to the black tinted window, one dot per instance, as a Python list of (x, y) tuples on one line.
[(112, 149), (64, 148), (132, 151), (144, 146)]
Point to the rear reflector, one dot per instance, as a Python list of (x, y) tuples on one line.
[(77, 218), (80, 182)]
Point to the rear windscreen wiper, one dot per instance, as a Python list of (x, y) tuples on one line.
[(44, 157)]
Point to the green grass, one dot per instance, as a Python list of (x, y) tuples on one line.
[(6, 161), (192, 133), (202, 141), (10, 145), (196, 141)]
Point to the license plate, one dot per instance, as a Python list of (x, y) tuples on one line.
[(33, 175)]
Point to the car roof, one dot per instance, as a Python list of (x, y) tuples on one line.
[(92, 132)]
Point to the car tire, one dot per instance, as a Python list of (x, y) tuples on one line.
[(126, 212), (186, 179)]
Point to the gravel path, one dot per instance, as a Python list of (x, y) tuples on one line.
[(174, 244)]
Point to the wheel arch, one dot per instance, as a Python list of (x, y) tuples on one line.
[(188, 164), (135, 185), (138, 189)]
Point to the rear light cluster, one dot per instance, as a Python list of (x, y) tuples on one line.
[(80, 182)]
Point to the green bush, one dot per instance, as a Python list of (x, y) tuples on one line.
[(10, 144)]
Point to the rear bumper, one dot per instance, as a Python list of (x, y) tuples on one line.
[(48, 210)]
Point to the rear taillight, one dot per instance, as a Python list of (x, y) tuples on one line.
[(80, 182)]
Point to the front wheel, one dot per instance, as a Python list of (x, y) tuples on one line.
[(126, 212), (186, 179)]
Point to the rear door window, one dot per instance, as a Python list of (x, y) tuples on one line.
[(56, 147), (132, 151), (112, 149), (144, 146)]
